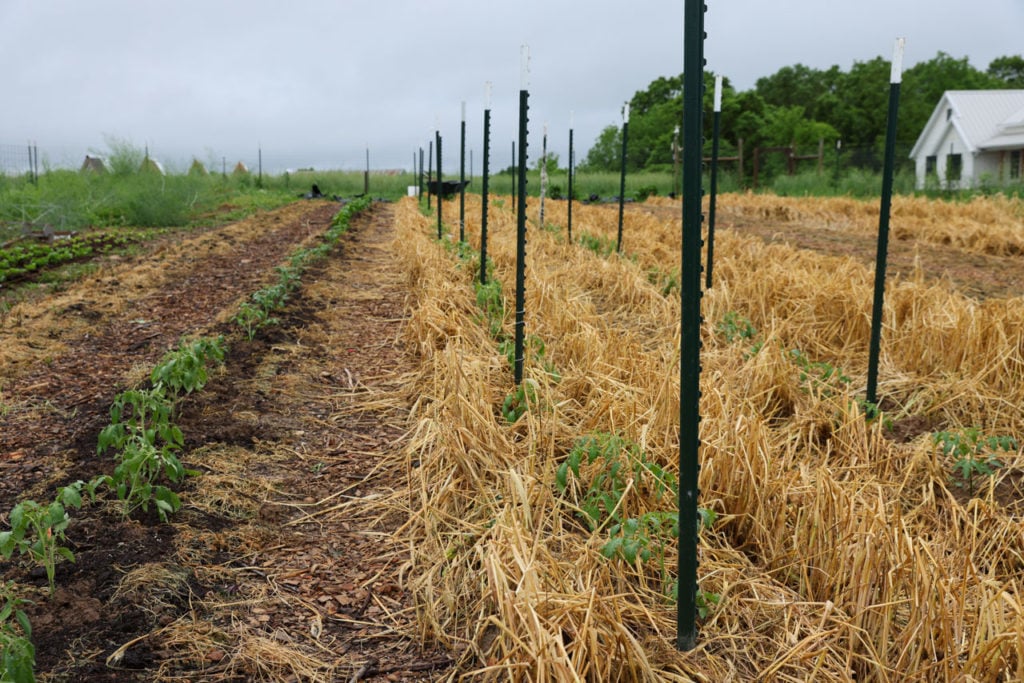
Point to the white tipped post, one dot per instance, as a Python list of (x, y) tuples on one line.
[(487, 95), (718, 93), (572, 118), (897, 61), (463, 111), (625, 113)]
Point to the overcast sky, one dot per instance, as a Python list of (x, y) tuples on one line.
[(316, 83)]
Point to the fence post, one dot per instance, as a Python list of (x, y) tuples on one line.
[(430, 170), (739, 152), (462, 175), (440, 189), (543, 174), (689, 348), (520, 324), (622, 176), (569, 226), (485, 183), (883, 225)]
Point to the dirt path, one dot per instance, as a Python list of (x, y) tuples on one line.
[(277, 567)]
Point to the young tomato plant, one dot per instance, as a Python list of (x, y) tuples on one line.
[(18, 661), (183, 370), (145, 441), (974, 454), (37, 530)]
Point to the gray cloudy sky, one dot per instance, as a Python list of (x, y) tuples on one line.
[(315, 83)]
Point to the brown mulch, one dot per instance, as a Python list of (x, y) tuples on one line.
[(280, 551)]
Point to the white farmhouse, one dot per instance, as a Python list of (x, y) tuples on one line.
[(972, 137)]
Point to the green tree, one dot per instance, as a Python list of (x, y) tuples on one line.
[(799, 86), (1009, 70), (604, 154), (552, 164), (924, 83)]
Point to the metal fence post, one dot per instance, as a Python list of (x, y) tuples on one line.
[(883, 224), (622, 175), (430, 170), (485, 182), (520, 324), (689, 348), (440, 189), (462, 176), (569, 218)]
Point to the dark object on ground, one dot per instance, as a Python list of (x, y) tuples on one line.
[(314, 193), (448, 187)]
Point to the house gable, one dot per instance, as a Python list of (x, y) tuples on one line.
[(968, 134)]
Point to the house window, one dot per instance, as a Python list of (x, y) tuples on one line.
[(931, 165), (954, 166), (1015, 156)]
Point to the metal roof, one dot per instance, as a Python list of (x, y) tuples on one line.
[(985, 119)]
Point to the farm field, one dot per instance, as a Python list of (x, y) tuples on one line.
[(376, 501)]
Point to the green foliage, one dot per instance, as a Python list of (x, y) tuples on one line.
[(519, 401), (973, 453), (735, 326), (18, 661), (620, 465), (667, 281), (252, 318), (604, 154), (37, 530), (820, 378), (1008, 69), (184, 369), (706, 603), (145, 442), (30, 258), (619, 460), (798, 105), (490, 299), (602, 246), (255, 314)]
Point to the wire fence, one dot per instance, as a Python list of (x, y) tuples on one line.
[(18, 159)]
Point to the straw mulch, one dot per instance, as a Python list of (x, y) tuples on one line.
[(842, 550)]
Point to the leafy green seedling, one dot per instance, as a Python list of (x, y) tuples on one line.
[(974, 454), (18, 661)]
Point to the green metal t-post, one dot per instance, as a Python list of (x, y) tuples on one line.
[(520, 324), (622, 176), (440, 190), (485, 181), (569, 220), (883, 224), (462, 177), (689, 348), (430, 170)]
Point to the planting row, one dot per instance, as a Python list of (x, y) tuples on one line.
[(22, 261), (145, 444)]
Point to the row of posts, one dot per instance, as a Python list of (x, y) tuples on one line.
[(690, 261)]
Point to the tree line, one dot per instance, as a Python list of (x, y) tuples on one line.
[(799, 106)]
